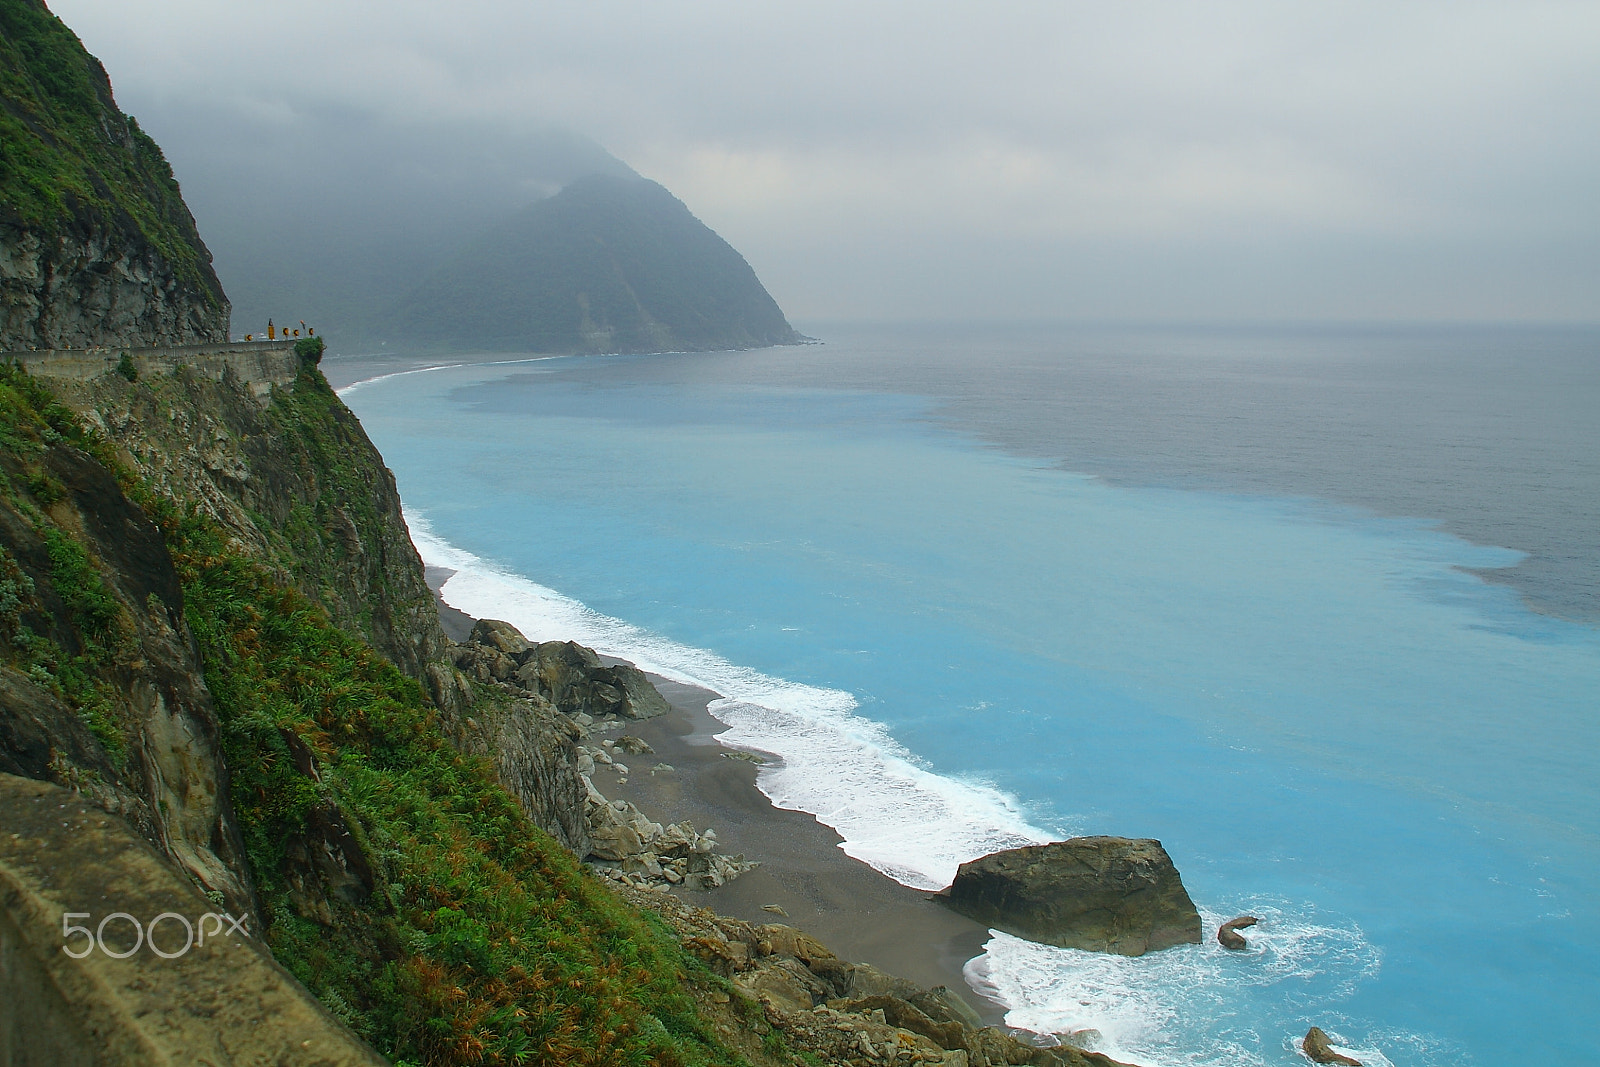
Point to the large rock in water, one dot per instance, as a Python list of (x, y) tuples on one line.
[(1103, 894)]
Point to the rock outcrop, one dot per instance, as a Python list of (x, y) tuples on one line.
[(1228, 935), (836, 1012), (541, 714), (1319, 1050), (1103, 894), (293, 478), (96, 244)]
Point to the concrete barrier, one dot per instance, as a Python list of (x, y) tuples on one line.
[(78, 987)]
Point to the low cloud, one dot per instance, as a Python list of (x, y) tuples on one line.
[(1260, 159)]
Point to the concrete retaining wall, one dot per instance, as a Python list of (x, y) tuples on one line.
[(261, 364)]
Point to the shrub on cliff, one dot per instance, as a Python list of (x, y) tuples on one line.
[(310, 349)]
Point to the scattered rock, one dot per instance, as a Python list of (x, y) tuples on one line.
[(1318, 1050), (1102, 894), (634, 746), (776, 909), (1228, 935)]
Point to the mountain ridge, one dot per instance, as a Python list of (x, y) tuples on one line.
[(608, 264)]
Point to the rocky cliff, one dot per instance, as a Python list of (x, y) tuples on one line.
[(292, 478), (96, 244), (101, 686)]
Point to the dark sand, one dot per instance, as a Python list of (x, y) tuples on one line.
[(857, 912)]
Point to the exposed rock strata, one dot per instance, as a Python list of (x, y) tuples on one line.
[(96, 244), (95, 284), (292, 476), (1103, 894)]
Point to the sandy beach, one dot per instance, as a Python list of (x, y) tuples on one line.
[(857, 912)]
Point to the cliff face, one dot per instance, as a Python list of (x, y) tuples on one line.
[(101, 687), (292, 477), (96, 244)]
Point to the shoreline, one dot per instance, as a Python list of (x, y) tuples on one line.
[(859, 913)]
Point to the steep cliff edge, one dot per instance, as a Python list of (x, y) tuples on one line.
[(96, 244)]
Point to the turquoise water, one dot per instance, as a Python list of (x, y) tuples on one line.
[(1329, 719)]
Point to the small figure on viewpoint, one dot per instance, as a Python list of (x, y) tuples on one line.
[(1318, 1050), (272, 331), (1228, 935), (249, 337)]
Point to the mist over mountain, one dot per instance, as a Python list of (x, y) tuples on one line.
[(607, 265), (326, 213)]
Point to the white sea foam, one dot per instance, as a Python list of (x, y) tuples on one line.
[(1176, 1007), (364, 382), (913, 825), (345, 391)]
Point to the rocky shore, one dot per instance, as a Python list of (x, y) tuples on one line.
[(587, 716)]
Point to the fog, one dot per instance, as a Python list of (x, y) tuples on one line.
[(1189, 161)]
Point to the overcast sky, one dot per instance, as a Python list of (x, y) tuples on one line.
[(1215, 160)]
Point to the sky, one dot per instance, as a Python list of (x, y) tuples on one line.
[(1216, 161)]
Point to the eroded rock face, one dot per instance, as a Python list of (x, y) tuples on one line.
[(97, 284), (1102, 894), (292, 476)]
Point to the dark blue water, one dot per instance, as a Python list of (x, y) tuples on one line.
[(984, 586)]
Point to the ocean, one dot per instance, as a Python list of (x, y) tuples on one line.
[(1319, 608)]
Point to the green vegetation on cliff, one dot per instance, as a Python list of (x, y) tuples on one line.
[(463, 934), (397, 878), (606, 265), (70, 160)]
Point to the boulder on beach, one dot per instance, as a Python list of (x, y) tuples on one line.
[(1102, 894), (1228, 935), (1318, 1050)]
